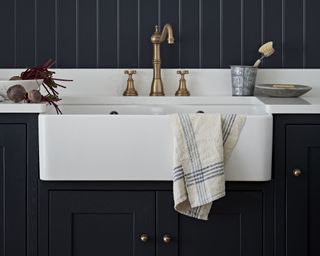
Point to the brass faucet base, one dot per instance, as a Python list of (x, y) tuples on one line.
[(156, 88), (130, 93), (182, 93), (156, 94), (156, 39)]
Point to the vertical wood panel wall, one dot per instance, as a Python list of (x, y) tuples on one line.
[(116, 33)]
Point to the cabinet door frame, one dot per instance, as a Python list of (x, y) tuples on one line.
[(47, 187), (260, 196), (301, 145), (69, 212), (283, 164), (30, 123)]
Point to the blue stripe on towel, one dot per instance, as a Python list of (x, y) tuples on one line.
[(192, 149), (178, 173), (226, 131), (202, 170), (198, 175), (219, 170), (225, 124)]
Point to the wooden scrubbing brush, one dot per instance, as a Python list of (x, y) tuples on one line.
[(266, 50)]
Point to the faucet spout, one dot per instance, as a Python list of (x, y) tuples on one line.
[(167, 32), (156, 39)]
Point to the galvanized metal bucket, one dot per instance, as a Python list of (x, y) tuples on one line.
[(243, 79)]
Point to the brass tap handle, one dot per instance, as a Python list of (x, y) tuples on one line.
[(182, 72), (182, 90), (130, 72), (130, 90)]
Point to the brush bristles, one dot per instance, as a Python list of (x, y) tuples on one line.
[(267, 49)]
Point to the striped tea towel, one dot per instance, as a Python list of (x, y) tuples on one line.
[(202, 143)]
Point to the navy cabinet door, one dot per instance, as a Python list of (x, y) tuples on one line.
[(239, 224), (101, 223), (13, 171), (303, 189)]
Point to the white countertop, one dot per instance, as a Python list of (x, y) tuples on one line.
[(104, 86), (301, 105), (11, 107)]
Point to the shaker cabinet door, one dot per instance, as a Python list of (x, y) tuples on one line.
[(235, 227), (101, 223), (303, 190), (13, 171), (239, 224)]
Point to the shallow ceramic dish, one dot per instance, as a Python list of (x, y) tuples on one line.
[(282, 90), (27, 84)]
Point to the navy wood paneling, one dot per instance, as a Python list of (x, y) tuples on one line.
[(66, 41), (210, 34), (293, 33), (45, 30), (170, 14), (272, 31), (116, 33), (312, 38), (189, 34), (251, 30), (8, 29), (107, 34), (25, 19), (128, 33), (87, 33), (232, 28)]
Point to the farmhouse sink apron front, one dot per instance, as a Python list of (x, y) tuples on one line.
[(134, 141)]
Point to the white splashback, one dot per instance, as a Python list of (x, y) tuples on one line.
[(201, 82)]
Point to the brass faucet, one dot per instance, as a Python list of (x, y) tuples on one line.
[(156, 39)]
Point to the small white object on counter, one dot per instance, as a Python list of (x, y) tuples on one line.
[(27, 84)]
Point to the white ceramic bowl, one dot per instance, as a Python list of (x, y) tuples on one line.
[(27, 84)]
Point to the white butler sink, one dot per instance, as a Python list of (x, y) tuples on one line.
[(87, 143)]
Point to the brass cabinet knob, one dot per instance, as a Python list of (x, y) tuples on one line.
[(296, 172), (167, 238), (144, 238)]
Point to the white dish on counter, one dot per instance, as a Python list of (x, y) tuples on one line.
[(29, 85)]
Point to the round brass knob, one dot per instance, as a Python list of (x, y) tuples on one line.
[(297, 172), (144, 238), (167, 238)]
